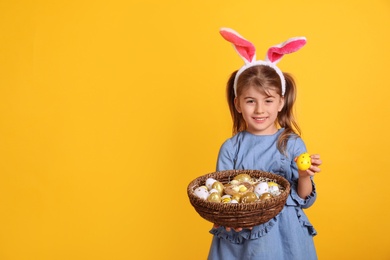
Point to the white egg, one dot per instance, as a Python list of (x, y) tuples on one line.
[(201, 193), (261, 188), (274, 189), (233, 201), (210, 182)]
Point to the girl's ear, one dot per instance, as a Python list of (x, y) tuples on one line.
[(281, 104), (237, 105)]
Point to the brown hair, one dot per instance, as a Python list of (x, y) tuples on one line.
[(265, 78)]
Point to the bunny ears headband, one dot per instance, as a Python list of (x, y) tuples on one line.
[(247, 52)]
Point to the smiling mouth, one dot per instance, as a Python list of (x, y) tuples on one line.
[(259, 119)]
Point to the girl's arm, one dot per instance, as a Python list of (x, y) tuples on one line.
[(305, 186)]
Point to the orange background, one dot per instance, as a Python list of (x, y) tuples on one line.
[(109, 109)]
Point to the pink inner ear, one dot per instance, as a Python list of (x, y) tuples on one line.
[(275, 53), (245, 49)]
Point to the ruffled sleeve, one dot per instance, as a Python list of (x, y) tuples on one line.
[(297, 147), (295, 200)]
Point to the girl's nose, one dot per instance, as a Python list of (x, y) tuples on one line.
[(259, 110)]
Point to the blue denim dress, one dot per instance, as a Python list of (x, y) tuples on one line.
[(289, 235)]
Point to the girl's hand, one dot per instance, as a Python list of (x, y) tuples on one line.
[(314, 168), (228, 229)]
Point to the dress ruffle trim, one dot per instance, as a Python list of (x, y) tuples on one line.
[(260, 230), (304, 221), (246, 234)]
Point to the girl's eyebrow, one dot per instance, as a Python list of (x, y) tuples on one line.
[(249, 97)]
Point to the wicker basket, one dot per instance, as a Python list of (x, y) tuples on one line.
[(239, 215)]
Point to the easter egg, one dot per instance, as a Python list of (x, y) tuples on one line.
[(271, 183), (218, 186), (274, 190), (226, 199), (201, 193), (265, 196), (214, 197), (236, 197), (261, 188), (242, 188), (303, 161), (243, 177), (210, 182), (248, 197)]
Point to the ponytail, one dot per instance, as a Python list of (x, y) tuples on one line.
[(286, 117)]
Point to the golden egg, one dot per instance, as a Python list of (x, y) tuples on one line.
[(214, 197), (243, 177), (218, 186), (265, 196), (236, 197), (248, 197)]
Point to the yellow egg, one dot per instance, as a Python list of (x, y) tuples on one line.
[(243, 177), (271, 183), (242, 188), (226, 199), (218, 186), (214, 197), (304, 161), (265, 196), (248, 197)]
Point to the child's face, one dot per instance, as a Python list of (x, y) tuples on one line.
[(259, 111)]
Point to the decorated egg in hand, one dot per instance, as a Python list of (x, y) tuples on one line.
[(201, 193), (261, 188), (303, 161)]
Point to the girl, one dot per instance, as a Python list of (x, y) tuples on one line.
[(266, 137)]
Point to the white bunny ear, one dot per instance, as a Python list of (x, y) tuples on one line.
[(275, 53), (245, 49)]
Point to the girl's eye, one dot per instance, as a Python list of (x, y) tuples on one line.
[(250, 101), (269, 100)]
